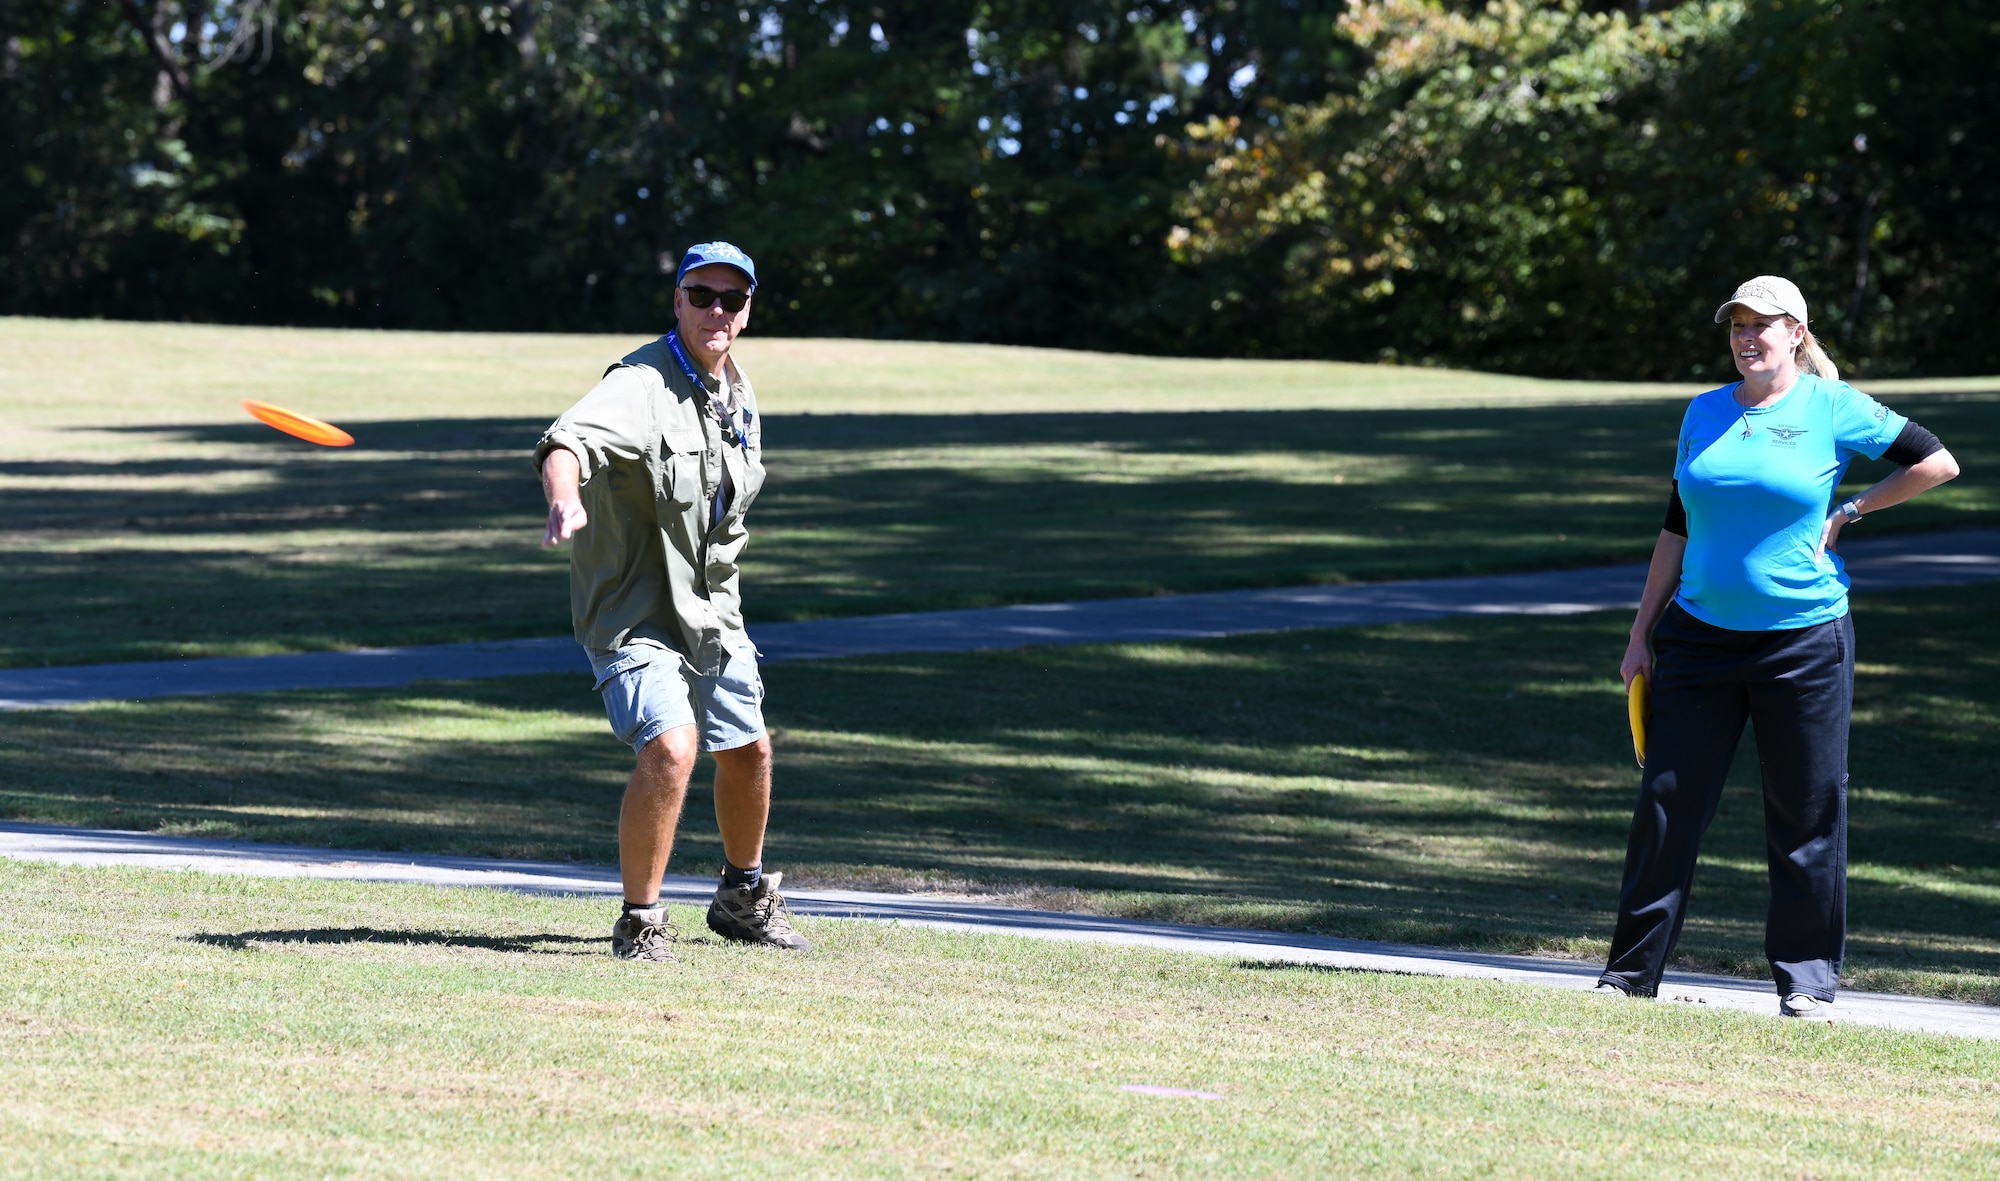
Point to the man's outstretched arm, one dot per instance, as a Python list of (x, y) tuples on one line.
[(561, 483)]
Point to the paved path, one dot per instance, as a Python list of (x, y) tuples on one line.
[(1892, 563), (98, 847)]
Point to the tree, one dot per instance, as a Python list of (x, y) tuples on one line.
[(1547, 186), (958, 169), (1547, 189)]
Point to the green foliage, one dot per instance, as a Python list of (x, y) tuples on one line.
[(956, 169), (1539, 188), (1543, 186)]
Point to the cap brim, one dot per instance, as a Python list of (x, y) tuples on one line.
[(748, 277), (1762, 307)]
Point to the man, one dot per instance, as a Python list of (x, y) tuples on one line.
[(651, 474)]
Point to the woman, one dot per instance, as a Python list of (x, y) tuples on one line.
[(1744, 616)]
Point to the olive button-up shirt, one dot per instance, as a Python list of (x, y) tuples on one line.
[(657, 563)]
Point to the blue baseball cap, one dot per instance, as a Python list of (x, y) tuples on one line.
[(709, 254)]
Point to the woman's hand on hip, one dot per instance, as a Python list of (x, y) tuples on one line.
[(1829, 533)]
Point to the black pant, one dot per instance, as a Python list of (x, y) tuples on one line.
[(1798, 686)]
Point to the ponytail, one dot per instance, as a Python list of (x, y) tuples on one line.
[(1813, 359)]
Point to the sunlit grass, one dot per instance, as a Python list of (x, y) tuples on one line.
[(166, 373), (149, 518), (189, 1025)]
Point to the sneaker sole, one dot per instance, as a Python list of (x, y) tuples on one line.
[(642, 958)]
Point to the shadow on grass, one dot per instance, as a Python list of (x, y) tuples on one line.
[(1318, 969), (427, 530), (542, 944), (1460, 783)]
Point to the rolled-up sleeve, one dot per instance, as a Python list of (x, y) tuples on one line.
[(608, 423)]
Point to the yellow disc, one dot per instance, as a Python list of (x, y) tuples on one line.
[(1635, 709)]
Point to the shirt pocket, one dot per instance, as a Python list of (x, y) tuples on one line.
[(746, 479), (681, 454)]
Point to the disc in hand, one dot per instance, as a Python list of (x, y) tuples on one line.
[(1635, 709)]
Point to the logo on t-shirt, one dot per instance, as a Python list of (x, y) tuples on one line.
[(1786, 436)]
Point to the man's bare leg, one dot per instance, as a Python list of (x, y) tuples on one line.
[(651, 811), (743, 801)]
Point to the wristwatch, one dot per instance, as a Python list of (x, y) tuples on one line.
[(1850, 510)]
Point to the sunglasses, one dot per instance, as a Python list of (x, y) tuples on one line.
[(706, 297)]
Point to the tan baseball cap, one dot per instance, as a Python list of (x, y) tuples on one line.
[(1767, 295)]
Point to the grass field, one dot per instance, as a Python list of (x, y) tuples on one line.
[(177, 1024), (1462, 783), (150, 518)]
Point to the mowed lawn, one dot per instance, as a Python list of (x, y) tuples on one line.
[(1466, 782), (193, 1026), (147, 516)]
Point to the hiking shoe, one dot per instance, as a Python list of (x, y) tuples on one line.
[(755, 916), (1806, 1008), (644, 935)]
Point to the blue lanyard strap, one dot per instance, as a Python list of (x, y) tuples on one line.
[(687, 367)]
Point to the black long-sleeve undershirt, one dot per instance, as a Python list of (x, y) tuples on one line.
[(1912, 446)]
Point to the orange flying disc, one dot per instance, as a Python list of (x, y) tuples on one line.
[(312, 430), (1635, 709)]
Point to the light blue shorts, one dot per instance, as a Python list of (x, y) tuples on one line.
[(650, 690)]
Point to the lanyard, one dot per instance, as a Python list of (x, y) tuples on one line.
[(721, 411)]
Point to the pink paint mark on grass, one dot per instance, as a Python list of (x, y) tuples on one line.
[(1168, 1092)]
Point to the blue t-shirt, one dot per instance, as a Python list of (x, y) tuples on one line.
[(1758, 485)]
